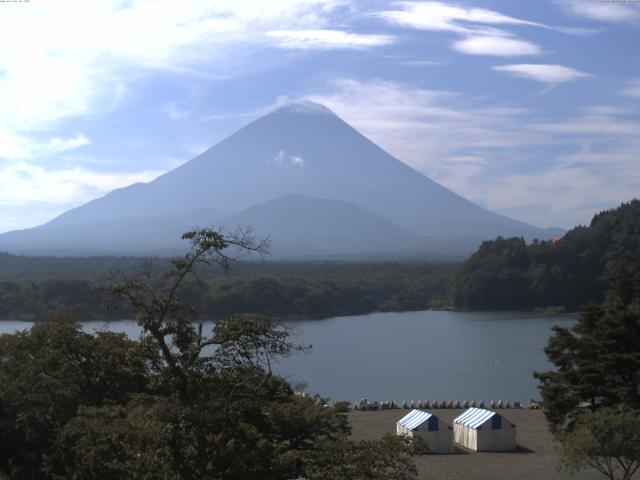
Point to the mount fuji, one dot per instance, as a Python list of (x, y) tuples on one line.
[(299, 174)]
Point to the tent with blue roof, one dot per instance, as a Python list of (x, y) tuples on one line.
[(436, 433), (483, 430)]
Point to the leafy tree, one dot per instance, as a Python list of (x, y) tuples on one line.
[(185, 402), (46, 374), (607, 440), (598, 360), (390, 457)]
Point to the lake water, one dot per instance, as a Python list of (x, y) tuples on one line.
[(427, 355)]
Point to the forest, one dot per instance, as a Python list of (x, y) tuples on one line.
[(570, 272), (32, 287)]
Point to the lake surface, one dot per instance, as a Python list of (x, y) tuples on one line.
[(427, 355)]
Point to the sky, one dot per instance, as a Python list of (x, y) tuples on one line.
[(528, 108)]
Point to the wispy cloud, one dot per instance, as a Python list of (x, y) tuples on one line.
[(632, 88), (439, 16), (174, 112), (477, 25), (17, 146), (24, 182), (601, 11), (26, 185), (59, 145), (423, 63), (283, 159), (327, 39), (544, 73), (54, 76), (497, 45)]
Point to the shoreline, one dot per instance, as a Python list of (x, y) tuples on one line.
[(537, 312)]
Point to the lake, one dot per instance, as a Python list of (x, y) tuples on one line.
[(428, 355)]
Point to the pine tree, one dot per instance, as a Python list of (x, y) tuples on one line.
[(598, 360)]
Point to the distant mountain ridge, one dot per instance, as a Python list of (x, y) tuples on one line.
[(301, 148)]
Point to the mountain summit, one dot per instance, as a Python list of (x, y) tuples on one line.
[(299, 148)]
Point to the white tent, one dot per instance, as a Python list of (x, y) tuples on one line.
[(483, 430), (437, 434)]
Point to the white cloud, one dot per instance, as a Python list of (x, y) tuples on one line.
[(24, 182), (58, 145), (327, 39), (438, 16), (477, 25), (33, 194), (77, 58), (545, 73), (496, 45), (15, 147), (602, 10), (174, 112), (423, 63), (632, 88), (12, 145), (285, 160)]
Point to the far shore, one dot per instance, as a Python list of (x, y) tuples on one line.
[(541, 312)]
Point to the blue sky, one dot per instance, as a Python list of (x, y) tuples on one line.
[(529, 108)]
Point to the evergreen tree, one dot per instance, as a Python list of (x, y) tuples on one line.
[(571, 271), (598, 360)]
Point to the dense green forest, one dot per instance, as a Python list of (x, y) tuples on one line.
[(571, 271), (31, 287)]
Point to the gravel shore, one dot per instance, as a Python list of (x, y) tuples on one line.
[(536, 458)]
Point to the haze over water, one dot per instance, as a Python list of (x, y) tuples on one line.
[(427, 355)]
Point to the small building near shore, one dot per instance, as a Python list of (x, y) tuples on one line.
[(436, 433), (484, 430)]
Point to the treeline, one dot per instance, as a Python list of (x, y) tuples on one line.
[(287, 291), (570, 272)]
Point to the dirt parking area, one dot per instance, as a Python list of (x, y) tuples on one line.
[(536, 457)]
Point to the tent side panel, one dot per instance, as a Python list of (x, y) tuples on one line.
[(438, 442), (465, 437)]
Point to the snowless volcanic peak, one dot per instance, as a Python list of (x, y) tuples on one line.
[(302, 106), (300, 148)]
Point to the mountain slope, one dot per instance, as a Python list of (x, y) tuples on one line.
[(303, 224), (301, 148), (128, 235)]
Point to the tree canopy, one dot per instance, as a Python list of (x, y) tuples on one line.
[(571, 271), (607, 440), (597, 361), (186, 401)]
